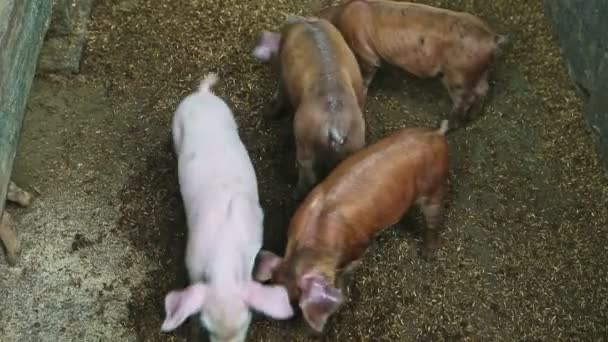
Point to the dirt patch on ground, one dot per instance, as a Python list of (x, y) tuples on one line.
[(70, 281), (524, 254)]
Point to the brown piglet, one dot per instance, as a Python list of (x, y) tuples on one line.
[(366, 193), (321, 81), (423, 40)]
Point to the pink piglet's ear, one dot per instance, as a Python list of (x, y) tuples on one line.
[(270, 300), (267, 263), (181, 304), (318, 301)]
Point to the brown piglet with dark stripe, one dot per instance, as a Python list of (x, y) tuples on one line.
[(321, 82)]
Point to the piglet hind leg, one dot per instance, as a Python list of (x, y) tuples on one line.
[(433, 211), (469, 98), (478, 97), (9, 239), (368, 72), (461, 95)]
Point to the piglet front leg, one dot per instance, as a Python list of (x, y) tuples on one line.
[(9, 239), (369, 67), (368, 76), (278, 104), (306, 178), (346, 276)]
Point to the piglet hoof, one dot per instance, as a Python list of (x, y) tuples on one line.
[(465, 119), (459, 119), (428, 252), (308, 331), (455, 124)]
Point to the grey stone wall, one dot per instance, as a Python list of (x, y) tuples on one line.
[(62, 50), (582, 30), (24, 50), (23, 25), (63, 20)]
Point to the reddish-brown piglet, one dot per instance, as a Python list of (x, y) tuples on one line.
[(366, 193), (423, 40)]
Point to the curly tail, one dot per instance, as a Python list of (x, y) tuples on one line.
[(443, 127), (503, 42), (208, 82), (336, 139), (502, 39)]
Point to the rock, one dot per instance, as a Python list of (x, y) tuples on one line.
[(62, 20), (62, 54), (23, 25), (581, 28), (62, 50)]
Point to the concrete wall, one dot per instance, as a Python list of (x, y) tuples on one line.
[(23, 25), (582, 30)]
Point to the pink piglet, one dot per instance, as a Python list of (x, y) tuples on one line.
[(225, 223)]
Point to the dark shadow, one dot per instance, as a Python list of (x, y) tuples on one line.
[(152, 217)]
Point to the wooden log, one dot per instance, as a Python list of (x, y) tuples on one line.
[(23, 25)]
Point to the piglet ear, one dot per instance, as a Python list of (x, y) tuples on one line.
[(267, 45), (181, 304), (318, 301), (267, 263), (273, 301)]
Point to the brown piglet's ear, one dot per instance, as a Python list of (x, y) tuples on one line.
[(267, 45), (318, 301), (267, 263)]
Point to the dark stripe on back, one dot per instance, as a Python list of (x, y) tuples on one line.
[(329, 86)]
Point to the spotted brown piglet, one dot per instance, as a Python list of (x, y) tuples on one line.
[(423, 40), (366, 193), (321, 81)]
